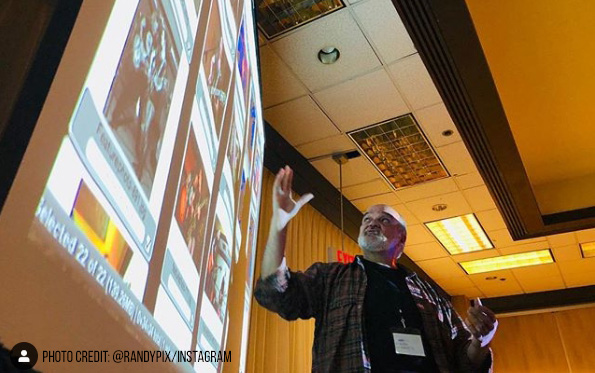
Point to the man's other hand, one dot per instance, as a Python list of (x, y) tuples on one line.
[(482, 322)]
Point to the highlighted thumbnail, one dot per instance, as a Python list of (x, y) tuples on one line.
[(90, 217)]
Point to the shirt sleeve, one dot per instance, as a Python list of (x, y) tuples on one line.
[(292, 295)]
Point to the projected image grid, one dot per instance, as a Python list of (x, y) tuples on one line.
[(107, 189)]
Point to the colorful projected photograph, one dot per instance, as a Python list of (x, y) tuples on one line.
[(217, 67), (90, 217), (139, 99), (242, 59), (256, 174), (217, 276), (236, 138), (193, 196)]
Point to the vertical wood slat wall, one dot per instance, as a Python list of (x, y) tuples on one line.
[(276, 345), (557, 342)]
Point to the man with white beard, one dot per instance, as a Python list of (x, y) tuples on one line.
[(372, 315)]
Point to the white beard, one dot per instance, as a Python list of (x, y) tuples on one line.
[(373, 243)]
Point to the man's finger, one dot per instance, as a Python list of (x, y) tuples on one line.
[(488, 314), (277, 184), (473, 330), (482, 323), (302, 201), (286, 185), (290, 181), (478, 323)]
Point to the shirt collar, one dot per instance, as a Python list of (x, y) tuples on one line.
[(408, 273)]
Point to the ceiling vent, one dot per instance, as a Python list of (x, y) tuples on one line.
[(400, 151), (276, 17)]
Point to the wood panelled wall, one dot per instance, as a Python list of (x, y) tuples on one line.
[(276, 345), (557, 342)]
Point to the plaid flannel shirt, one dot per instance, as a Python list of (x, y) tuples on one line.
[(333, 293)]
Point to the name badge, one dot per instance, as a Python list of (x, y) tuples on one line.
[(408, 342)]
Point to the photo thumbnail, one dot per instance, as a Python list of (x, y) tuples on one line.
[(192, 203), (217, 267), (95, 223), (140, 96), (217, 66)]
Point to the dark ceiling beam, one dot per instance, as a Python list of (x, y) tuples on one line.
[(542, 300), (469, 94)]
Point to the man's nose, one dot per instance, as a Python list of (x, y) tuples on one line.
[(373, 223)]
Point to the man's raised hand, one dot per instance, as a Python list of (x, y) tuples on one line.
[(284, 207)]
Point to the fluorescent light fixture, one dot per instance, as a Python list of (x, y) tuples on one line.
[(588, 249), (530, 258), (461, 234), (400, 152)]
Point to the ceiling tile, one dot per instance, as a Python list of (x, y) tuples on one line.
[(536, 272), (457, 205), (456, 158), (428, 189), (578, 266), (441, 268), (455, 282), (300, 121), (354, 1), (362, 101), (368, 189), (497, 287), (578, 272), (278, 82), (382, 23), (469, 180), (479, 198), (327, 145), (476, 255), (414, 82), (356, 171), (417, 234), (524, 248), (579, 279), (472, 292), (300, 50), (502, 238), (491, 220), (425, 251), (410, 218), (364, 203), (563, 239), (534, 285), (434, 120), (586, 235), (567, 253)]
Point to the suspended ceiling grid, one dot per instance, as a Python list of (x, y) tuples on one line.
[(380, 76)]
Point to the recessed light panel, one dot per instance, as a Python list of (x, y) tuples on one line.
[(400, 151), (588, 249), (530, 258), (461, 234), (278, 16)]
